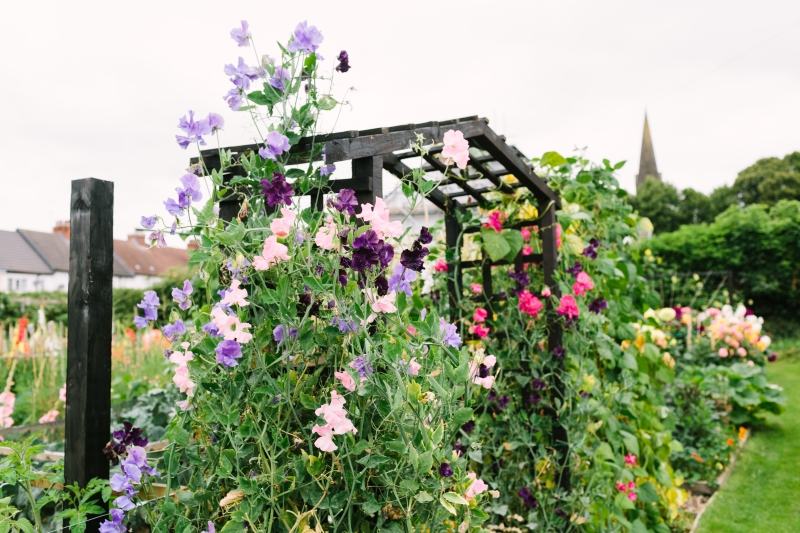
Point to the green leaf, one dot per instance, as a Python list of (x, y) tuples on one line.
[(447, 505), (232, 526), (425, 463), (371, 505), (623, 502), (453, 497), (423, 496), (180, 436), (638, 527), (647, 493), (462, 416), (308, 401), (552, 159), (515, 242), (495, 244), (198, 257), (326, 102), (604, 452), (630, 441), (371, 461)]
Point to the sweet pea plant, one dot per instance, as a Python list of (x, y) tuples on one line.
[(319, 396)]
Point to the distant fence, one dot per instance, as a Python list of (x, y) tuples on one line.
[(679, 292)]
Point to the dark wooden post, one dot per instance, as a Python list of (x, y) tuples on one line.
[(91, 253), (368, 179), (547, 231), (452, 228)]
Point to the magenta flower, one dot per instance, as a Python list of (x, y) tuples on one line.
[(241, 36), (275, 145), (630, 460), (306, 39)]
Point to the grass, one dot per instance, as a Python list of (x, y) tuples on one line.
[(763, 492)]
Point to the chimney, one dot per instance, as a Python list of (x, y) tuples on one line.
[(138, 238), (192, 245), (62, 228)]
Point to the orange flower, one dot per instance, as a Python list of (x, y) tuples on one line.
[(742, 433), (697, 458), (730, 442)]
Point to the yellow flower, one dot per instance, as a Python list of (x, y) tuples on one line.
[(668, 360), (527, 212)]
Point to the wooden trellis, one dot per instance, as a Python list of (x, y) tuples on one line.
[(491, 158)]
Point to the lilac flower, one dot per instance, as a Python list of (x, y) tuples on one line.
[(344, 324), (212, 329), (278, 190), (236, 270), (140, 322), (576, 269), (228, 352), (344, 62), (148, 222), (280, 78), (235, 97), (115, 524), (450, 337), (401, 279), (425, 236), (413, 259), (149, 304), (241, 75), (445, 470), (362, 366), (190, 191), (327, 170), (278, 335), (173, 207), (182, 296), (241, 36), (194, 130), (275, 145), (173, 228), (157, 238), (177, 328), (345, 202), (559, 352), (598, 305), (211, 528), (306, 39), (215, 122)]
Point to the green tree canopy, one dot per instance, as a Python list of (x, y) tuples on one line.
[(770, 180)]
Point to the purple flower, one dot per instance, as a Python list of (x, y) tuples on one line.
[(577, 268), (362, 366), (235, 97), (385, 254), (468, 427), (177, 328), (228, 352), (275, 145), (215, 122), (173, 207), (583, 394), (211, 528), (306, 39), (450, 335), (277, 333), (149, 304), (278, 190), (140, 322), (368, 239), (538, 384), (459, 448), (344, 62), (534, 398), (236, 271), (212, 329), (401, 279), (590, 252), (597, 305), (182, 296), (115, 524), (345, 202), (190, 191), (528, 499), (173, 228), (503, 401), (561, 513), (148, 222), (413, 259), (772, 357), (558, 351), (327, 170), (242, 38), (241, 75), (157, 238), (345, 325), (445, 470), (280, 79), (344, 263), (193, 129), (364, 259), (425, 236), (521, 278)]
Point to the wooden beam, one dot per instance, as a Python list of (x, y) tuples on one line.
[(465, 186), (91, 260), (395, 166), (368, 178)]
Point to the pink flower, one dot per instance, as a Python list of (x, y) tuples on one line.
[(476, 288), (621, 486), (181, 359), (413, 367), (527, 250), (479, 330), (7, 401), (378, 217), (526, 233), (480, 314), (384, 304), (62, 393), (440, 266), (546, 292), (496, 219), (630, 459), (742, 352), (282, 227), (347, 380), (230, 327), (456, 149), (49, 416), (412, 330), (336, 423), (273, 253), (750, 363), (558, 235), (182, 381), (529, 304), (723, 352), (568, 307), (632, 496), (475, 488), (185, 405), (235, 295), (582, 284), (631, 485), (326, 235), (474, 369)]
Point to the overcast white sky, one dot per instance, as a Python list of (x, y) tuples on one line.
[(95, 89)]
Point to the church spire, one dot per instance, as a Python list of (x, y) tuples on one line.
[(647, 161)]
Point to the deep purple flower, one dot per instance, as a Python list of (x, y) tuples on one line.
[(345, 202), (306, 39), (413, 259), (320, 270), (344, 62), (492, 396), (459, 448), (228, 352), (280, 78), (449, 333), (772, 357), (241, 74), (521, 278), (528, 499), (425, 236), (538, 384), (590, 252), (534, 398), (194, 130), (445, 470), (182, 296), (558, 351), (381, 285), (212, 329), (275, 145), (468, 427), (327, 170), (561, 513), (171, 330), (503, 401), (278, 335), (575, 269), (148, 222), (401, 280), (241, 35), (385, 254), (594, 243), (748, 312), (278, 190), (368, 239), (583, 394), (483, 371), (344, 263), (362, 366), (597, 305), (364, 259)]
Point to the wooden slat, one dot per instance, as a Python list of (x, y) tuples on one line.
[(399, 169), (441, 167), (516, 225)]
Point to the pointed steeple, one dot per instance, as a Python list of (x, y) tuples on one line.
[(647, 161)]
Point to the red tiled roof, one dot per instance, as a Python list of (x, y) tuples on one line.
[(147, 261)]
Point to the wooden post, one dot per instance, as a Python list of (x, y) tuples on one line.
[(368, 178), (91, 259), (452, 229)]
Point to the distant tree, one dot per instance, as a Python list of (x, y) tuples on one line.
[(694, 208), (659, 202), (770, 180), (720, 199)]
